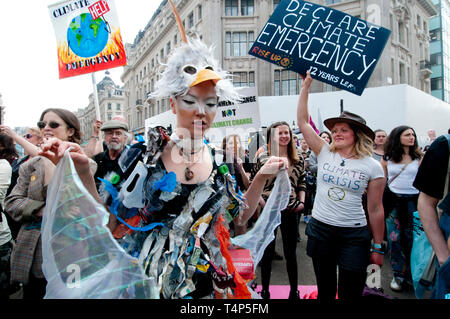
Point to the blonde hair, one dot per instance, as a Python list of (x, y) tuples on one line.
[(363, 144), (35, 131)]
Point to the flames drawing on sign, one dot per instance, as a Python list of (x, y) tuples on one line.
[(113, 55)]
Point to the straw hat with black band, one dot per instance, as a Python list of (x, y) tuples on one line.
[(353, 120)]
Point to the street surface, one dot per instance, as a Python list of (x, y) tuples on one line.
[(306, 272)]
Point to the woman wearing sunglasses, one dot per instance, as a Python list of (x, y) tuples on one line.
[(26, 203)]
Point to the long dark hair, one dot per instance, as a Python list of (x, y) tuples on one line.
[(393, 148), (292, 150), (7, 149), (71, 121)]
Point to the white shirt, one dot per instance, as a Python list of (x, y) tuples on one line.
[(403, 183), (338, 199), (5, 180)]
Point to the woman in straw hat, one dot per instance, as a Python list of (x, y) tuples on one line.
[(339, 234)]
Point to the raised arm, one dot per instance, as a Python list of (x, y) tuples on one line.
[(95, 143), (314, 141), (28, 147)]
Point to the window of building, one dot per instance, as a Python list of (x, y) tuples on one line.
[(435, 35), (200, 12), (238, 43), (109, 116), (168, 47), (402, 73), (228, 44), (191, 20), (401, 33), (436, 59), (419, 21), (251, 79), (240, 79), (231, 7), (286, 82), (162, 54), (247, 7), (175, 40), (436, 84), (118, 107), (109, 107)]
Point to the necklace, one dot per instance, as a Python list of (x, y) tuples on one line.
[(188, 148), (343, 159), (188, 173)]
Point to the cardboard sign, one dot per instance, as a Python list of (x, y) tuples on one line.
[(87, 43), (337, 48), (241, 118)]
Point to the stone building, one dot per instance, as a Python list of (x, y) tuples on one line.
[(111, 103), (232, 26)]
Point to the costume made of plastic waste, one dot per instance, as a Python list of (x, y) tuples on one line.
[(173, 239), (179, 247), (186, 249)]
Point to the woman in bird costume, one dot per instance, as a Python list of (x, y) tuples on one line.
[(165, 234)]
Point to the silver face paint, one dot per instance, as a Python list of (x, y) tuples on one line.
[(189, 102)]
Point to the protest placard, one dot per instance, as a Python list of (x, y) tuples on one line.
[(241, 118), (337, 48), (87, 43)]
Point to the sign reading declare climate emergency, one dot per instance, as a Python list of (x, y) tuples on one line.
[(88, 36), (337, 48)]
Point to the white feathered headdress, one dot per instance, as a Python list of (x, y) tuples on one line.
[(190, 64)]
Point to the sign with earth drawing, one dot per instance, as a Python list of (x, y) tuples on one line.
[(337, 48), (88, 36)]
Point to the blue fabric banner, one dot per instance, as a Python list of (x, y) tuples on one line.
[(337, 48)]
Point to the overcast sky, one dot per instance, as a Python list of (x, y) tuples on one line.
[(29, 79)]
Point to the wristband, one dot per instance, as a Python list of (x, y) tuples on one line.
[(377, 246), (377, 251)]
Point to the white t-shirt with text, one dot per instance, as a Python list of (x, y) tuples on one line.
[(339, 193)]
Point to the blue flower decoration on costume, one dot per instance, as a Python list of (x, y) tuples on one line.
[(167, 183)]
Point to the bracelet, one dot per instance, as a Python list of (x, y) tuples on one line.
[(377, 251), (96, 137), (300, 202)]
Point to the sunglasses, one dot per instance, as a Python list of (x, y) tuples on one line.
[(52, 124), (27, 136)]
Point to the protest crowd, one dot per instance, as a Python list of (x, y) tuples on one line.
[(399, 178), (183, 211)]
